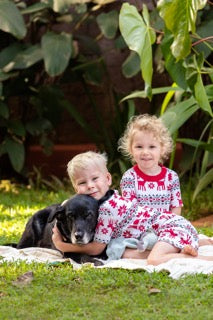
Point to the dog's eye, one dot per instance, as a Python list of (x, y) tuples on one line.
[(70, 216), (89, 214)]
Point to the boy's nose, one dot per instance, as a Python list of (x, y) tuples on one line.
[(90, 184)]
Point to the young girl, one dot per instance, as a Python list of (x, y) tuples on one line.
[(120, 217), (147, 143)]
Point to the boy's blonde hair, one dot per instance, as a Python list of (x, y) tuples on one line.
[(85, 160), (146, 123)]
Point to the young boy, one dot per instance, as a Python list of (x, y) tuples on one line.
[(120, 217)]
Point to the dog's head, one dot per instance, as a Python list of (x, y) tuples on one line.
[(77, 218)]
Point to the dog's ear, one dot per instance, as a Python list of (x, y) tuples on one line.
[(56, 213)]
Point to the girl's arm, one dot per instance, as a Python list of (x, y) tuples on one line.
[(92, 248)]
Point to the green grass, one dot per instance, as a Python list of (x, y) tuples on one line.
[(59, 292)]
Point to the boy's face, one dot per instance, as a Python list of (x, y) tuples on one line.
[(92, 181)]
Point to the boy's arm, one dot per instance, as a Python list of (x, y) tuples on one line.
[(92, 248), (177, 210)]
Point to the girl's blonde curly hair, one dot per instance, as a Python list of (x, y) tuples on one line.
[(147, 123)]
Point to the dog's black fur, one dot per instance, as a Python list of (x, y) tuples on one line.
[(76, 219)]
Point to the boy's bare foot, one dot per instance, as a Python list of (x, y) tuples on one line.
[(189, 250), (205, 242)]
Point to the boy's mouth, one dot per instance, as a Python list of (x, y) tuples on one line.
[(93, 194)]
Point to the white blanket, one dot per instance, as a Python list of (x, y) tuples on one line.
[(175, 267)]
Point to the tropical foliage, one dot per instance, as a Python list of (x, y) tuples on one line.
[(40, 56), (42, 49)]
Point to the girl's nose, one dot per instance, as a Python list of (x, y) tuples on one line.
[(144, 151)]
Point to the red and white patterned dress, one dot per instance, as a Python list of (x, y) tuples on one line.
[(161, 191), (120, 217)]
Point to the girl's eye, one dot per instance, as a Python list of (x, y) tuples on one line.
[(95, 178)]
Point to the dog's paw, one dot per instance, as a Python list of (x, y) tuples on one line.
[(89, 259), (97, 262)]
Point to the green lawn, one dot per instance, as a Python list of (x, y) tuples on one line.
[(59, 292)]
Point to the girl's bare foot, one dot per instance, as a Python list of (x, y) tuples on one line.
[(189, 250)]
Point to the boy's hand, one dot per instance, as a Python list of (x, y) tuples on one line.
[(56, 237)]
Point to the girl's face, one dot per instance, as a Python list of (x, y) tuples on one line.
[(146, 151), (92, 181)]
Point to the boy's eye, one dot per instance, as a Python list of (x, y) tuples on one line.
[(95, 178), (81, 183)]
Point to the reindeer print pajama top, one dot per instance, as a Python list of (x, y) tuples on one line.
[(120, 217), (161, 191)]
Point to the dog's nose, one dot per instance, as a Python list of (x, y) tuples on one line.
[(78, 235)]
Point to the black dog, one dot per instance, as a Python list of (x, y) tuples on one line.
[(76, 219)]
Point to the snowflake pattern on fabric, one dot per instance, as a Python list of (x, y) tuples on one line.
[(120, 217), (161, 191)]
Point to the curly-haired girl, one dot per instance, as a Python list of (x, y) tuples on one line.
[(147, 143)]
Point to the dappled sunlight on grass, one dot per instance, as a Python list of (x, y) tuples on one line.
[(17, 207), (88, 293)]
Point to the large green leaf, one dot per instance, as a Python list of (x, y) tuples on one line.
[(57, 50), (201, 96), (131, 65), (180, 18), (11, 19), (108, 23), (196, 144), (16, 153), (36, 7), (175, 69), (203, 182), (175, 116), (205, 31), (24, 59), (139, 37), (195, 82), (209, 92), (8, 54), (142, 94)]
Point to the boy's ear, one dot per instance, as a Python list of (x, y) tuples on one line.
[(109, 177)]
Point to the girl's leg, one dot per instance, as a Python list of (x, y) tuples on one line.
[(163, 252), (205, 242), (135, 254)]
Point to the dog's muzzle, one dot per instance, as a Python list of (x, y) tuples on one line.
[(80, 237)]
